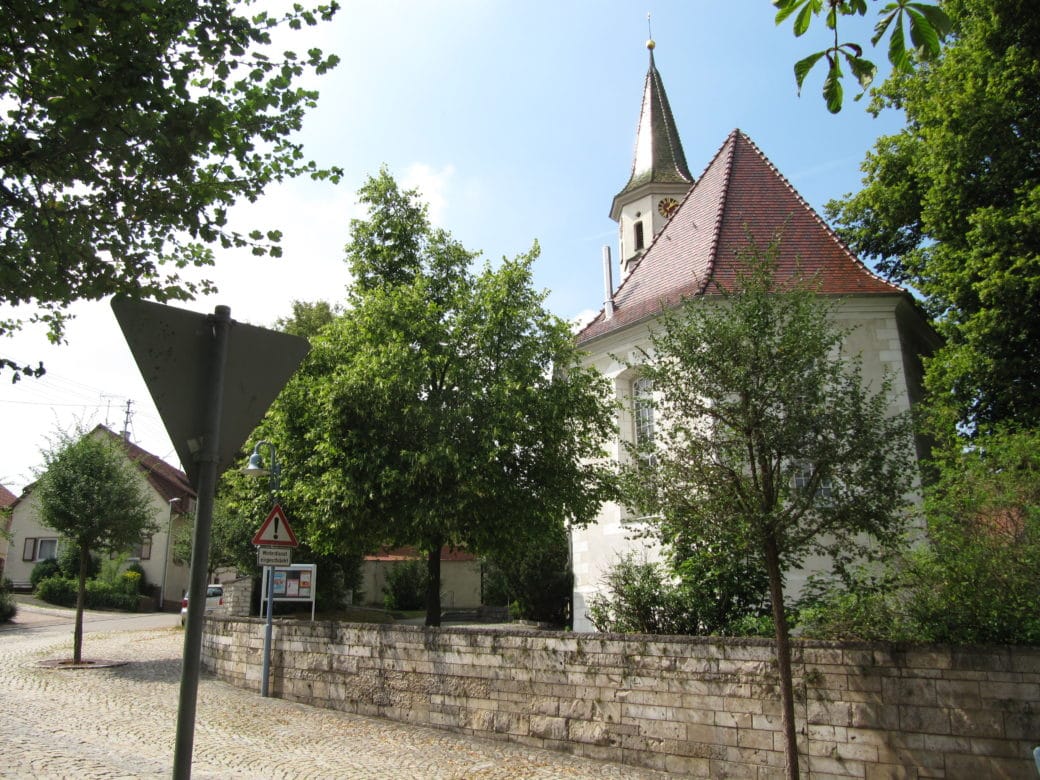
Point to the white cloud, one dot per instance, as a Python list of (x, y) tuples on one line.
[(433, 186)]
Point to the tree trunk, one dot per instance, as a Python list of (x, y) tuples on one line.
[(81, 600), (783, 655), (433, 585)]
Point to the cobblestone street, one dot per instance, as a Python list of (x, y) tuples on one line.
[(120, 722)]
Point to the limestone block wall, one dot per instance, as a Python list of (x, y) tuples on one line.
[(702, 707)]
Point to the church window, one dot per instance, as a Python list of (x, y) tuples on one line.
[(803, 476), (643, 416), (639, 236)]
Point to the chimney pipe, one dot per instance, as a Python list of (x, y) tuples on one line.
[(608, 284)]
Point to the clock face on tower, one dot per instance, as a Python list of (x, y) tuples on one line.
[(667, 206)]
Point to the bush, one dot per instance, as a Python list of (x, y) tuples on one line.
[(642, 598), (130, 582), (8, 607), (405, 586), (534, 580), (137, 569), (99, 594), (638, 601), (974, 580), (44, 570), (57, 590), (105, 595)]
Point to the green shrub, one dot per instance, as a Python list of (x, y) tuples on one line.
[(138, 569), (533, 579), (8, 607), (130, 582), (105, 595), (57, 590), (44, 570), (405, 586)]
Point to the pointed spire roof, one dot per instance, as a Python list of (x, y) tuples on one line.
[(658, 157), (740, 193)]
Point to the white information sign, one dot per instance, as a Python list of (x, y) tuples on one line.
[(273, 556)]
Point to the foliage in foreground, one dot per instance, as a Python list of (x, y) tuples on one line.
[(130, 129), (951, 207)]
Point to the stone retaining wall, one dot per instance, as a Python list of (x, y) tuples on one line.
[(697, 706)]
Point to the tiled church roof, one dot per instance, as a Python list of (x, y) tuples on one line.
[(740, 194)]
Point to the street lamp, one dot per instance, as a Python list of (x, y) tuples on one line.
[(255, 468)]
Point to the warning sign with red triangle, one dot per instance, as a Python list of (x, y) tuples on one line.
[(275, 532)]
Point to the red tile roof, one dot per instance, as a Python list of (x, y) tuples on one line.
[(169, 482), (7, 498), (411, 554), (740, 193)]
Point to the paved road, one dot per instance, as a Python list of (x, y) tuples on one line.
[(120, 722)]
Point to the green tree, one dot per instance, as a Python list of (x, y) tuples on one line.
[(973, 579), (94, 497), (307, 319), (129, 130), (926, 23), (951, 206), (769, 435), (231, 539), (445, 407)]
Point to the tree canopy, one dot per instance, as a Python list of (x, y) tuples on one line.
[(94, 497), (129, 131), (951, 206), (445, 407), (769, 438)]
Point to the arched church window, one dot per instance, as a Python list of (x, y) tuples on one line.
[(639, 236)]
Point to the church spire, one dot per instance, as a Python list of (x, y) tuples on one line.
[(659, 177), (659, 157)]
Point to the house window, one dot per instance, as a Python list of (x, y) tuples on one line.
[(39, 549), (143, 551), (639, 236)]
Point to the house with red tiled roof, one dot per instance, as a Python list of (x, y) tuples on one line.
[(679, 239), (460, 575), (172, 499)]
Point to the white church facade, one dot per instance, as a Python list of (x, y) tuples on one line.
[(680, 234)]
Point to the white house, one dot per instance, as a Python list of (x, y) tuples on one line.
[(678, 235), (171, 497)]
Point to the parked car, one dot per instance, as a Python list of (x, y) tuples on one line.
[(214, 599)]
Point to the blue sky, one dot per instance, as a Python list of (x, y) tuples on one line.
[(517, 122)]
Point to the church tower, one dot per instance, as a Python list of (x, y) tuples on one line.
[(660, 178)]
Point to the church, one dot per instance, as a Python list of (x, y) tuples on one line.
[(678, 234)]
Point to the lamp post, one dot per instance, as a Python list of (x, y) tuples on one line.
[(255, 468)]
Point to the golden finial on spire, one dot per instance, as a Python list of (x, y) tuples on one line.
[(650, 33)]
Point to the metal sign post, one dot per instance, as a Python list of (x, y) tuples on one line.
[(274, 534), (212, 380)]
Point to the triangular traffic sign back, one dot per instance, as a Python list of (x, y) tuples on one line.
[(275, 532), (173, 347)]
